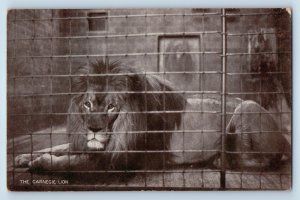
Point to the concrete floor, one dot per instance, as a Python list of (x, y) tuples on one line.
[(175, 179)]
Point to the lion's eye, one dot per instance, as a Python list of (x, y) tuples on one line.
[(110, 107), (87, 104)]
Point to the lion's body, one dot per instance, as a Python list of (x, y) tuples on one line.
[(199, 139), (122, 118)]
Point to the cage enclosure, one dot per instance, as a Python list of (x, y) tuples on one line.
[(149, 99)]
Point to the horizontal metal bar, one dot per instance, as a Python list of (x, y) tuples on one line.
[(255, 132), (119, 151), (262, 112), (161, 34), (109, 35), (258, 53), (147, 34), (119, 16), (258, 93), (141, 92), (199, 131), (258, 33), (140, 73), (150, 112), (115, 74), (256, 73), (114, 55), (258, 152), (166, 170), (252, 14), (124, 112), (87, 152), (144, 54), (217, 14), (258, 173), (115, 92)]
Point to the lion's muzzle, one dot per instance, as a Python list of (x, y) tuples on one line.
[(97, 141)]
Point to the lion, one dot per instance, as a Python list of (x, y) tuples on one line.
[(122, 118)]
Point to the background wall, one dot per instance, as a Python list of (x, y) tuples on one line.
[(45, 46)]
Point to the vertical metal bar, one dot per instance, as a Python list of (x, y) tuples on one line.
[(106, 83), (70, 79), (127, 92), (223, 154), (32, 89), (164, 98), (201, 88), (183, 124), (145, 97), (51, 93)]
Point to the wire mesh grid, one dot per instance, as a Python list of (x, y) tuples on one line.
[(208, 54)]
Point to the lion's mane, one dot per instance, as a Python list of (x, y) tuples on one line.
[(150, 116)]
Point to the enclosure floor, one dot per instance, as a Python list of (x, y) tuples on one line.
[(179, 179)]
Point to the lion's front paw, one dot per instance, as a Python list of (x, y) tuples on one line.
[(42, 162), (23, 160)]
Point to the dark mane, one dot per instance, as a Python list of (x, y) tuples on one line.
[(146, 93)]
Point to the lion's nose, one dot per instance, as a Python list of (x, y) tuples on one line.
[(95, 130)]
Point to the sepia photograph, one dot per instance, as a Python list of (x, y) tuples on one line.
[(186, 99)]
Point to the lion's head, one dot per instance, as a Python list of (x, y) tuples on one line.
[(100, 111), (111, 111)]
